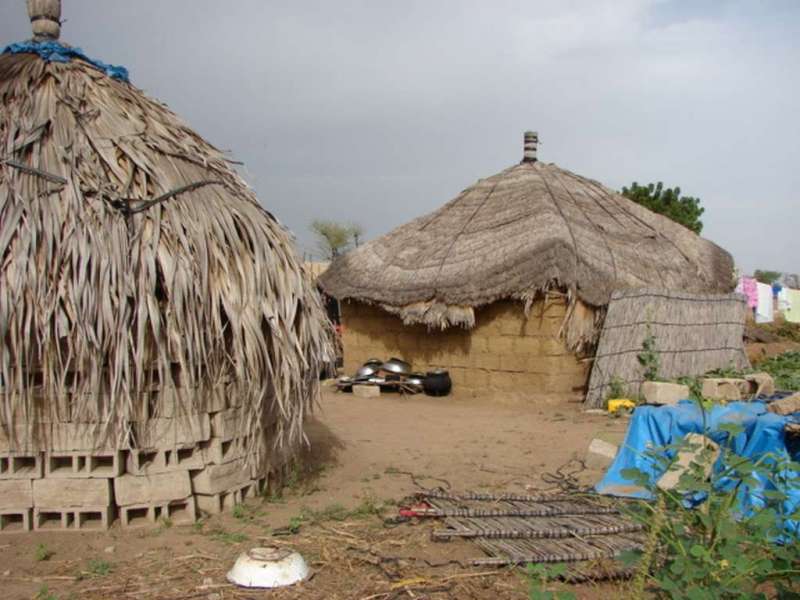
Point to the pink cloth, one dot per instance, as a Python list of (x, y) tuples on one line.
[(749, 287)]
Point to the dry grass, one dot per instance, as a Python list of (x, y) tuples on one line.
[(135, 262), (523, 232)]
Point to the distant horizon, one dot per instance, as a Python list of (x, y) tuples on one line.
[(378, 113)]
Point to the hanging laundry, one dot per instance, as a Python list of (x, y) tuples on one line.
[(792, 313), (784, 303), (764, 306), (747, 287)]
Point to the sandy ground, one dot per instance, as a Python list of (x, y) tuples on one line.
[(365, 457)]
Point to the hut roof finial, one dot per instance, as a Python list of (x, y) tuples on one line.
[(45, 18), (530, 145)]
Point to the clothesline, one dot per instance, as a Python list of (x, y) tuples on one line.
[(765, 300)]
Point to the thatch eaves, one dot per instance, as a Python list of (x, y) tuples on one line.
[(529, 228)]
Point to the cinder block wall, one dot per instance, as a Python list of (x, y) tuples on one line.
[(504, 352)]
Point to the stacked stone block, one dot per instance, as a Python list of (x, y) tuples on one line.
[(184, 461)]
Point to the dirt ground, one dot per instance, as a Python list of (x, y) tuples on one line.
[(366, 455)]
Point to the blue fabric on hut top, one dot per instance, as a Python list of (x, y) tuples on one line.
[(56, 52), (653, 427)]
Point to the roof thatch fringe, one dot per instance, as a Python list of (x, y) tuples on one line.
[(694, 334), (434, 315), (106, 310), (523, 229)]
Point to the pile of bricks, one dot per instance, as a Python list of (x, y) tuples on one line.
[(182, 464)]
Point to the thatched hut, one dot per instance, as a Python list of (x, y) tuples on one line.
[(154, 318), (505, 285)]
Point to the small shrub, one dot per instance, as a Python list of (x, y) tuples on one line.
[(42, 553), (540, 576), (649, 358), (45, 594), (99, 568), (616, 388)]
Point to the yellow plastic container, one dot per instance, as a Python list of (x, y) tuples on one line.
[(617, 404)]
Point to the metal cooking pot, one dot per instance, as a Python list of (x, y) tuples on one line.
[(366, 371), (415, 379), (397, 366), (437, 383), (374, 362)]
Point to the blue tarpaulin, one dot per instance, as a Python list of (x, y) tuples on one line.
[(56, 52), (652, 427)]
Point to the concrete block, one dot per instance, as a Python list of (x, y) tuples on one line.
[(214, 479), (725, 388), (16, 494), (761, 384), (172, 433), (215, 504), (177, 511), (21, 465), (86, 518), (158, 489), (16, 520), (71, 493), (600, 455), (226, 424), (669, 481), (77, 465), (785, 406), (24, 438), (150, 461), (78, 437), (366, 391), (658, 392), (217, 451)]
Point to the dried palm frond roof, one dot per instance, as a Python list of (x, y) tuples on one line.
[(514, 234), (134, 259)]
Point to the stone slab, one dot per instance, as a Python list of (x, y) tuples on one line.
[(16, 494), (227, 424), (367, 391), (214, 479), (665, 394), (785, 406), (600, 454), (159, 488), (670, 479), (71, 493), (78, 437), (725, 388), (173, 433)]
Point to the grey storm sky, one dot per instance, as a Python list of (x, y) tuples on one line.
[(378, 112)]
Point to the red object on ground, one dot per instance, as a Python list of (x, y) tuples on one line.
[(415, 510)]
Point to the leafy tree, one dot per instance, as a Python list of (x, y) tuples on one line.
[(335, 238), (685, 210), (767, 277)]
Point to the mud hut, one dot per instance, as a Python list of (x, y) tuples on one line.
[(505, 285), (159, 343)]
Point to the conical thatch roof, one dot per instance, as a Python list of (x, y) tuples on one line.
[(531, 227), (135, 263)]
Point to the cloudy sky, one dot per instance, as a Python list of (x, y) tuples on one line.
[(379, 111)]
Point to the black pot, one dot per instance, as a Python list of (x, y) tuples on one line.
[(437, 383)]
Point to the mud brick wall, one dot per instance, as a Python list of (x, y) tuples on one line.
[(505, 351)]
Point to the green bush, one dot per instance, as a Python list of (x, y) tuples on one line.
[(710, 551)]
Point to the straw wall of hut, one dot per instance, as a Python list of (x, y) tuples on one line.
[(691, 334)]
